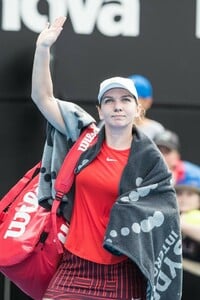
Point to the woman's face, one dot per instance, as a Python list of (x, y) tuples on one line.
[(188, 200), (118, 108)]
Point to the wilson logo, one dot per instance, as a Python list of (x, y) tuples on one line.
[(22, 217), (62, 235), (88, 139)]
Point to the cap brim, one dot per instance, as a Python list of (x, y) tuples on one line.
[(114, 85)]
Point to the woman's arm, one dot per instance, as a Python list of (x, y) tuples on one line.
[(42, 87)]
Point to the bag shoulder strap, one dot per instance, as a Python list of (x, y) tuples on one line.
[(65, 176)]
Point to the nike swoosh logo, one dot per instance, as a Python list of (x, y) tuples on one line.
[(110, 159)]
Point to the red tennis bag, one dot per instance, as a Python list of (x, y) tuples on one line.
[(31, 237), (29, 255)]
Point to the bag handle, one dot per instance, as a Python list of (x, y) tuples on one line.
[(18, 187)]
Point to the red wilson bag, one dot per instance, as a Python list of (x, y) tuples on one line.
[(31, 237), (28, 253)]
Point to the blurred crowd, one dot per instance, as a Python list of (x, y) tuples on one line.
[(186, 181)]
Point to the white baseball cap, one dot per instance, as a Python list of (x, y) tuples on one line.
[(117, 82)]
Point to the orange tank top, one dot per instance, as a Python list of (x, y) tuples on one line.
[(95, 193)]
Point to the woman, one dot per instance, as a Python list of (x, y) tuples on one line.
[(121, 208)]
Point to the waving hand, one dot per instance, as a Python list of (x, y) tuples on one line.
[(51, 32)]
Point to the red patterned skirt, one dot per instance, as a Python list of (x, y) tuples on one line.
[(80, 279)]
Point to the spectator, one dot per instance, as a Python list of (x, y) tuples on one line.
[(186, 177), (145, 97), (188, 196), (169, 144)]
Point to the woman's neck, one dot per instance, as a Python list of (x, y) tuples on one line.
[(119, 140)]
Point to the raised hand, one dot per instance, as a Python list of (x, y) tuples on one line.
[(50, 33)]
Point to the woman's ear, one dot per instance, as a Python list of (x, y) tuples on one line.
[(140, 112)]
